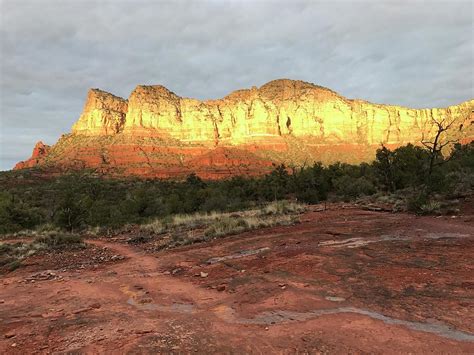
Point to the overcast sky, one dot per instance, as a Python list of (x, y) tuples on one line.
[(417, 54)]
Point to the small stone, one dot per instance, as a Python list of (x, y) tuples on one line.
[(221, 288), (266, 328), (81, 310), (9, 335), (2, 301), (95, 305), (145, 331), (166, 273), (204, 274), (13, 345), (145, 300)]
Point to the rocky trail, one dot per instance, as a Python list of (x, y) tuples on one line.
[(342, 281)]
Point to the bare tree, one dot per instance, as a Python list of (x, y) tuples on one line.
[(439, 141)]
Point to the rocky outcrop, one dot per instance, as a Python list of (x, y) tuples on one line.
[(158, 133), (40, 151), (103, 114)]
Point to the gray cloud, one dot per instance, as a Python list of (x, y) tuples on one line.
[(412, 53)]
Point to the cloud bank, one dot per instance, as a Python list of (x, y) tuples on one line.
[(412, 53)]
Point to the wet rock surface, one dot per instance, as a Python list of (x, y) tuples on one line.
[(344, 280)]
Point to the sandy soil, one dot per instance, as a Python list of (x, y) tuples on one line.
[(342, 281)]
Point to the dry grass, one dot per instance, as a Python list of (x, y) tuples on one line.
[(187, 229), (227, 225), (283, 207), (12, 254), (254, 218)]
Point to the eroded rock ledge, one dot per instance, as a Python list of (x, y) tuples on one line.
[(158, 133)]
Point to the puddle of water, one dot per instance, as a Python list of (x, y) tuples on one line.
[(285, 316), (175, 307), (444, 235), (358, 242), (282, 316), (335, 299), (238, 255)]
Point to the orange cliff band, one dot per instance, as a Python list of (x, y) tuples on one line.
[(156, 133)]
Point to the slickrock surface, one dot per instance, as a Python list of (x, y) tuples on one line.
[(343, 281), (156, 133)]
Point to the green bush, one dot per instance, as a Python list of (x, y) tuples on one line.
[(416, 202), (349, 188)]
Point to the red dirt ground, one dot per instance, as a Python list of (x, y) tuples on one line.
[(342, 281)]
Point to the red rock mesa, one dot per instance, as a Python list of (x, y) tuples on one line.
[(156, 133)]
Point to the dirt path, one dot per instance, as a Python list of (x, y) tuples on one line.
[(341, 281)]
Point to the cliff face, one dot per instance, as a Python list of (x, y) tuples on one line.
[(103, 114), (157, 133)]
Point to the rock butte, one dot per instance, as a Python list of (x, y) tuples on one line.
[(156, 133)]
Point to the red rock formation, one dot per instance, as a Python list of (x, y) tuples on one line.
[(156, 133), (40, 151)]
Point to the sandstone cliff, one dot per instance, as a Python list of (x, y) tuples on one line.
[(40, 151), (103, 114), (158, 133)]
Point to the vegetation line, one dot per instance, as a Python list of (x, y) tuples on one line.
[(409, 178)]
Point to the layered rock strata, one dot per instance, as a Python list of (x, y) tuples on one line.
[(156, 133)]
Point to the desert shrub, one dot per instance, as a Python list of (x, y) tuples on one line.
[(308, 196), (11, 254), (156, 227), (70, 212), (61, 241), (416, 201), (16, 215), (6, 251), (431, 207), (349, 188), (225, 226), (13, 265), (403, 167), (139, 239), (282, 207), (217, 201), (461, 158)]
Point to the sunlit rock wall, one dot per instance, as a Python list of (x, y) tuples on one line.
[(158, 133), (279, 108)]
